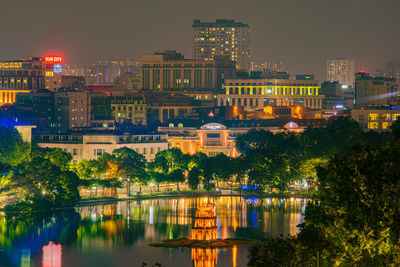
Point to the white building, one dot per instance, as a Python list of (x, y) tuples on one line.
[(91, 146)]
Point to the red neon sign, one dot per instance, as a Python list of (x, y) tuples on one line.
[(53, 59)]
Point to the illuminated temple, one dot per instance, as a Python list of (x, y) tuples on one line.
[(204, 228)]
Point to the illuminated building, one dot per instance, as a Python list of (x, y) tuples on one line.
[(222, 37), (170, 71), (377, 119), (375, 91), (204, 228), (90, 146), (129, 107), (211, 139), (214, 138), (256, 94), (20, 76), (341, 71), (63, 111)]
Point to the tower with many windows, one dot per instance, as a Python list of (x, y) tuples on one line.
[(222, 37)]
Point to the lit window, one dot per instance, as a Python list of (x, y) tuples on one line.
[(385, 125), (373, 117), (373, 125)]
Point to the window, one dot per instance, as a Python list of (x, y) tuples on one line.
[(74, 152), (99, 151), (385, 125), (213, 135), (373, 117), (373, 125)]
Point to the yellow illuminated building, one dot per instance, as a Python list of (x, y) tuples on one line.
[(256, 94), (375, 119)]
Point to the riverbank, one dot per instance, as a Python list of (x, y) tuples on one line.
[(110, 200)]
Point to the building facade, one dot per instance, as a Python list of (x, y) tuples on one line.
[(91, 146), (375, 91), (376, 119), (341, 70), (20, 76), (210, 139), (215, 138), (129, 107), (170, 71), (256, 94), (222, 37)]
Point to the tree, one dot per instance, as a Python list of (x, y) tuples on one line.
[(131, 166), (194, 178), (13, 150), (336, 138), (357, 206), (41, 185), (56, 156), (177, 177), (222, 165), (174, 161), (158, 170)]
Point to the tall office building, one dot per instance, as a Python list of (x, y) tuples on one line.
[(222, 37), (341, 70), (393, 70)]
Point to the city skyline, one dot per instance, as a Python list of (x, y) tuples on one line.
[(279, 30)]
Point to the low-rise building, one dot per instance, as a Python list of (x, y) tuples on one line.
[(375, 91), (129, 107), (377, 119), (91, 146), (256, 94), (214, 138)]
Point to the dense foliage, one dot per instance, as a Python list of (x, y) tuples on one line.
[(353, 218), (34, 180)]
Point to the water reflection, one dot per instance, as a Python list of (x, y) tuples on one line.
[(204, 228), (120, 233)]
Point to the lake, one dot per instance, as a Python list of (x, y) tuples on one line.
[(120, 234)]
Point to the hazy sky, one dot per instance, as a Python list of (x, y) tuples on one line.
[(302, 33)]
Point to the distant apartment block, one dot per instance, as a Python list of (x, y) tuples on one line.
[(341, 71), (222, 37)]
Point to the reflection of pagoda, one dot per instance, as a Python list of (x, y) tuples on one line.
[(204, 228)]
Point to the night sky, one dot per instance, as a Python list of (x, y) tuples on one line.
[(302, 33)]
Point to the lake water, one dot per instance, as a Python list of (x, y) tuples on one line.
[(119, 234)]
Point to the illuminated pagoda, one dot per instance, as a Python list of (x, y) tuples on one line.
[(204, 228)]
